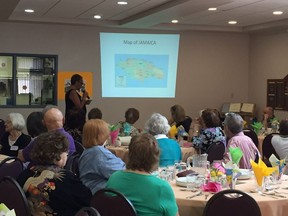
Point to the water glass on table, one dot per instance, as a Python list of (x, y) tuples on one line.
[(191, 180)]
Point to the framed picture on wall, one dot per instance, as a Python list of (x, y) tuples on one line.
[(64, 82)]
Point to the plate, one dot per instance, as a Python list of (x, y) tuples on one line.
[(181, 181), (245, 174)]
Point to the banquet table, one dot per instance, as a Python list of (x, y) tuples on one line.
[(269, 205), (122, 152)]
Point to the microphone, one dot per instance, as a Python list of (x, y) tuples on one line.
[(83, 91)]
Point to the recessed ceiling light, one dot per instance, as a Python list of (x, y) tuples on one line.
[(29, 10), (122, 2), (174, 21), (232, 22), (212, 9), (97, 17), (277, 12)]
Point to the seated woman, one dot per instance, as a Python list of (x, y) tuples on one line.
[(158, 126), (126, 127), (50, 189), (210, 131), (34, 124), (149, 194), (280, 142), (13, 139), (178, 117), (73, 124), (97, 163), (268, 115), (95, 113)]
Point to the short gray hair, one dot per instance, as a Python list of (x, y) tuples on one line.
[(17, 121), (234, 122), (157, 124)]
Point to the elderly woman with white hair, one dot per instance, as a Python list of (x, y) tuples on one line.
[(170, 151), (13, 139)]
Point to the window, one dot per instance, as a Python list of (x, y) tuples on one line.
[(28, 80)]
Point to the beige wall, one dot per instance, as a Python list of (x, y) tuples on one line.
[(213, 68), (268, 60)]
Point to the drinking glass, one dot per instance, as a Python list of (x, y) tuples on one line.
[(191, 181)]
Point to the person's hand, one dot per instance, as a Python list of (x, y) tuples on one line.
[(85, 95)]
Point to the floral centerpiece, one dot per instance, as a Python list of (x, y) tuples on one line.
[(216, 171), (232, 173), (275, 125)]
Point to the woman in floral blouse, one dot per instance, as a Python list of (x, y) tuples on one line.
[(50, 189), (210, 133)]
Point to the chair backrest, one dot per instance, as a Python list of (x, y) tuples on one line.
[(231, 202), (112, 203), (11, 166), (13, 196), (79, 147), (250, 133), (215, 151), (87, 211), (267, 147), (72, 163), (2, 128)]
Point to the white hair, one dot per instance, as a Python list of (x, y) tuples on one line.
[(157, 124), (17, 121)]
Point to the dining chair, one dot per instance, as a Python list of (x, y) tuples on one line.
[(11, 166), (231, 202), (87, 211), (250, 133), (72, 163), (2, 128), (79, 147), (110, 202), (215, 151), (13, 196), (268, 149)]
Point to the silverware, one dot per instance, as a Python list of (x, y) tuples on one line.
[(194, 195)]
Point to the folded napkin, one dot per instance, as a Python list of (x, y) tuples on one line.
[(260, 170), (236, 154), (114, 135), (211, 187), (187, 144), (185, 173), (181, 131), (278, 164), (5, 211), (173, 131), (257, 127)]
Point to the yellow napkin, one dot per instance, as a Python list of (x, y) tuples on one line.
[(173, 131), (261, 170)]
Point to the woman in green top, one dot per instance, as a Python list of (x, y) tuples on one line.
[(148, 194)]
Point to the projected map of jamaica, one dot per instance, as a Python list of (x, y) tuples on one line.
[(141, 71)]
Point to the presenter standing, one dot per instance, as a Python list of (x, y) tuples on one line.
[(74, 100)]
